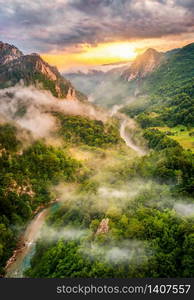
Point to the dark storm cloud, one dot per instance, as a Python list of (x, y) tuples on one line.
[(46, 25), (189, 4), (92, 7)]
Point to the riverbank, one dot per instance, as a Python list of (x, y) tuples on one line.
[(21, 257), (25, 245)]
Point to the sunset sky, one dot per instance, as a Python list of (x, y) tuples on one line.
[(70, 33)]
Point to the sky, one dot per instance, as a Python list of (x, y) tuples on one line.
[(69, 33)]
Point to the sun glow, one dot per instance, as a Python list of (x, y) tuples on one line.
[(120, 51), (86, 56), (110, 52), (106, 53)]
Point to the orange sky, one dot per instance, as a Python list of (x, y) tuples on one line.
[(85, 33), (107, 53)]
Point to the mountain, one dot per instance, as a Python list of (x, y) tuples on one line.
[(119, 84), (174, 73), (161, 72), (172, 52), (33, 70), (8, 53), (103, 85), (144, 64), (105, 196), (166, 96), (152, 72)]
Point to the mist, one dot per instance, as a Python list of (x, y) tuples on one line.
[(31, 109), (123, 252), (68, 233), (110, 92), (104, 89), (110, 200), (184, 209)]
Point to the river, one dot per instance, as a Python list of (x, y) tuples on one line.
[(21, 257), (126, 137), (126, 122)]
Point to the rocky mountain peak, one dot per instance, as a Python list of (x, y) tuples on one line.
[(143, 65), (33, 70), (8, 53), (151, 51), (35, 54)]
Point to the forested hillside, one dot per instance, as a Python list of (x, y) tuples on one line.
[(167, 98), (174, 74), (24, 182), (113, 211), (148, 234)]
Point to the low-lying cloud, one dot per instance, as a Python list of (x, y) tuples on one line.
[(110, 200), (104, 89), (67, 233), (31, 109), (126, 252), (184, 209)]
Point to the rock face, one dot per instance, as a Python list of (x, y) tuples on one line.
[(143, 65), (71, 94), (103, 227), (33, 70), (8, 53)]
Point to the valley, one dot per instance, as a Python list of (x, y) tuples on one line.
[(68, 165), (104, 161)]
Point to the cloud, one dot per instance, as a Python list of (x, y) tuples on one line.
[(66, 233), (188, 4), (52, 25), (184, 209), (127, 252), (31, 109), (113, 200)]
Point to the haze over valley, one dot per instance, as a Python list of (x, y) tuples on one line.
[(97, 139)]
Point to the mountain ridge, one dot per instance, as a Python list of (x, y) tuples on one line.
[(143, 65), (176, 69), (33, 70), (8, 52), (152, 71)]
